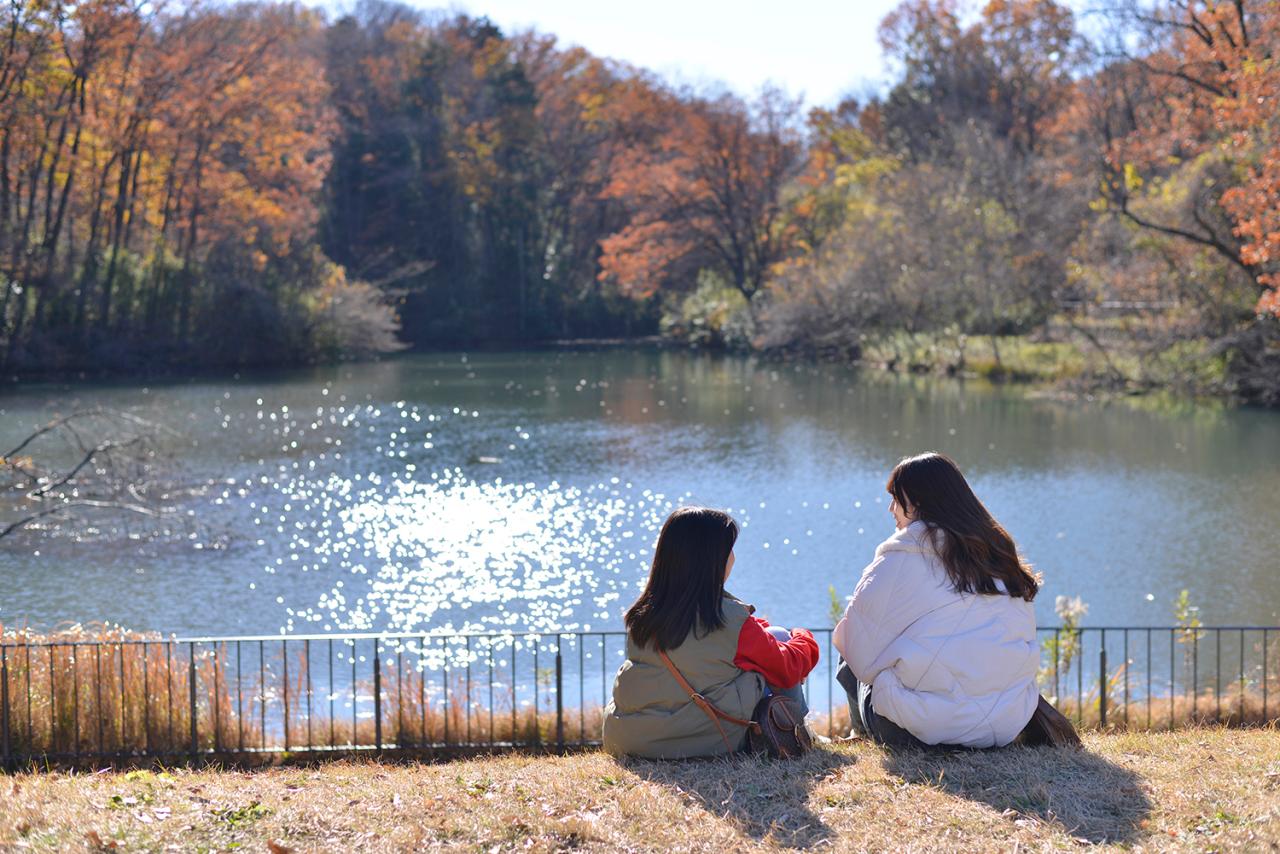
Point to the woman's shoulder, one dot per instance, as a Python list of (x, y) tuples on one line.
[(908, 555), (914, 539), (735, 607)]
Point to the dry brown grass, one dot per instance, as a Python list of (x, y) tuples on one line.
[(1232, 707), (1190, 790)]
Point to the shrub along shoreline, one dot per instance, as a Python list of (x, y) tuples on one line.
[(1061, 362)]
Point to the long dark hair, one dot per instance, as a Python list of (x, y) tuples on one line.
[(975, 549), (686, 581)]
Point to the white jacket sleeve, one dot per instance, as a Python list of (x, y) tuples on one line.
[(880, 611), (858, 635)]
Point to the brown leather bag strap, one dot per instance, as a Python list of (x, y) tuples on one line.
[(706, 705)]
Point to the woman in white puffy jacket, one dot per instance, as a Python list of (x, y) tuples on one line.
[(939, 639)]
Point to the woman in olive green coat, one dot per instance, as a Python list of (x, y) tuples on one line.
[(729, 656)]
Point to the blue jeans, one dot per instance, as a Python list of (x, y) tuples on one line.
[(863, 715), (795, 693)]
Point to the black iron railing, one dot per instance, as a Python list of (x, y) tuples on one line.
[(74, 698), (1160, 677)]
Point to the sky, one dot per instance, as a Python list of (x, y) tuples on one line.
[(821, 49)]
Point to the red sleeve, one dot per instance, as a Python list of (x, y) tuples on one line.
[(782, 664)]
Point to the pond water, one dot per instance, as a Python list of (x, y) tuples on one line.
[(524, 491)]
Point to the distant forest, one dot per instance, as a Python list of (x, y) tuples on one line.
[(228, 184)]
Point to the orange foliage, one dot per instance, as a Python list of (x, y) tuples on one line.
[(153, 134), (1250, 118), (702, 182), (1215, 86)]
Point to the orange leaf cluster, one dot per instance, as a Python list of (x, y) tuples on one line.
[(1214, 86)]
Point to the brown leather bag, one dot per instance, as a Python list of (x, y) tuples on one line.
[(776, 726), (1048, 726)]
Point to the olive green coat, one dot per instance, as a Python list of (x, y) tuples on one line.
[(652, 716)]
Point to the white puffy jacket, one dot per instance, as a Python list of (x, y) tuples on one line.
[(948, 667)]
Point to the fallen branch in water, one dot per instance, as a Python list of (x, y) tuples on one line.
[(94, 460), (61, 508)]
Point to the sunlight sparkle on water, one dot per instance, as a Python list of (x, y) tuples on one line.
[(454, 553), (425, 547)]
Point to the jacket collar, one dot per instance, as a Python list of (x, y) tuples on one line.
[(914, 539)]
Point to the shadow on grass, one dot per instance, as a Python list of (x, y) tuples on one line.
[(762, 798), (1086, 795)]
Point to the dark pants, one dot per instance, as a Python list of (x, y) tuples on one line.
[(863, 715)]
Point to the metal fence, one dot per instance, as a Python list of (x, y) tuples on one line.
[(244, 698)]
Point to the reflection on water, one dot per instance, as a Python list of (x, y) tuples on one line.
[(524, 491), (499, 555)]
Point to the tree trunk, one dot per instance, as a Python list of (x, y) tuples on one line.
[(193, 231), (89, 272), (117, 236)]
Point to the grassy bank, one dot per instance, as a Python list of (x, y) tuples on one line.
[(1100, 358), (1193, 790)]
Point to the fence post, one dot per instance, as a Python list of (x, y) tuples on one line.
[(4, 705), (559, 698), (284, 688), (1102, 683), (377, 697), (191, 678)]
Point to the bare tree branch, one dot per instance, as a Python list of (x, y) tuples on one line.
[(116, 467), (101, 448), (1203, 239), (97, 412), (71, 505)]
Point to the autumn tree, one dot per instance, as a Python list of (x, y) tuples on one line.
[(1203, 125), (159, 182), (586, 118), (248, 182), (840, 156), (705, 194), (947, 211)]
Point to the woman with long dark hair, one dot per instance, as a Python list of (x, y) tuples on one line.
[(730, 657), (939, 639)]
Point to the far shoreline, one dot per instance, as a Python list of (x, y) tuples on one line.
[(1043, 386)]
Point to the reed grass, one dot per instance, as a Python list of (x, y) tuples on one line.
[(105, 690), (100, 693), (1233, 707)]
